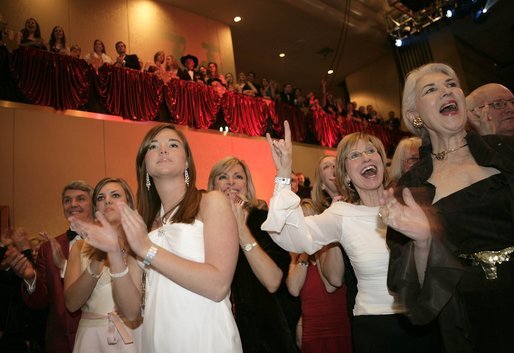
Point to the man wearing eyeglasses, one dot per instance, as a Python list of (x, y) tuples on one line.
[(491, 109)]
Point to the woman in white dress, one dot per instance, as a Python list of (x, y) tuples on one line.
[(378, 325), (189, 256), (88, 281)]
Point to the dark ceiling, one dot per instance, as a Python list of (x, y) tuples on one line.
[(345, 35)]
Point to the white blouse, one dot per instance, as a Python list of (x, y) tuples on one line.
[(360, 231)]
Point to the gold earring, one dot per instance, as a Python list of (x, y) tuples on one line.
[(417, 122)]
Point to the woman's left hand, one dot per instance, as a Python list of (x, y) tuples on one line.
[(409, 219), (240, 212), (135, 230)]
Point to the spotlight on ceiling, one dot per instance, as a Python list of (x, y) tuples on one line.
[(398, 42), (237, 19), (282, 55), (330, 72)]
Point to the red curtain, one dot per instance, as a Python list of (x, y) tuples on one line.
[(58, 81), (296, 118), (192, 104), (325, 128), (130, 93), (245, 114), (64, 82)]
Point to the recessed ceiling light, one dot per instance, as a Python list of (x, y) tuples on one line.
[(282, 55), (330, 72), (237, 19)]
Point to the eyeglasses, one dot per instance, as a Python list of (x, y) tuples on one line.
[(356, 154), (499, 104)]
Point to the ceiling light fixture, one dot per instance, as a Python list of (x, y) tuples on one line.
[(237, 19), (330, 72), (282, 55)]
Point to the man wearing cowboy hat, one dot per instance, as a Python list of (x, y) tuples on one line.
[(190, 63)]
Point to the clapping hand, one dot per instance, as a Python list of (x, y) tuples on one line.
[(282, 152), (20, 265), (481, 120), (135, 230), (101, 236), (239, 207), (409, 219), (57, 253)]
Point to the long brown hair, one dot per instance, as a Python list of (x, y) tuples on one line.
[(88, 250), (149, 202)]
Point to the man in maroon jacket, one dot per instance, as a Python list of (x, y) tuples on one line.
[(44, 286)]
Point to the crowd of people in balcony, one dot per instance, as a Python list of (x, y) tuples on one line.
[(166, 67)]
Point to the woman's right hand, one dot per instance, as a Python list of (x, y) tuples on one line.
[(103, 237), (282, 152), (409, 219)]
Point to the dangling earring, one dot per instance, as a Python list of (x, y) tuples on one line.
[(186, 177), (148, 183), (417, 122), (350, 184)]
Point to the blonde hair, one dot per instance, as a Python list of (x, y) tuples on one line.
[(343, 148), (396, 169), (409, 93), (308, 207), (319, 196), (223, 165)]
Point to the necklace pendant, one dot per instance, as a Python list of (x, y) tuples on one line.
[(440, 156)]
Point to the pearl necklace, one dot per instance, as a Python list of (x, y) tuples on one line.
[(442, 155)]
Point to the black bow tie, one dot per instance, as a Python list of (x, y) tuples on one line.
[(71, 234)]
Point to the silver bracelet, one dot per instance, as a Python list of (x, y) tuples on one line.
[(118, 274), (282, 181), (150, 255), (94, 275)]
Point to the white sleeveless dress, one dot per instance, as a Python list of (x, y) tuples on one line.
[(176, 319)]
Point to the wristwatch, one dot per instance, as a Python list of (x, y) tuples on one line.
[(249, 247)]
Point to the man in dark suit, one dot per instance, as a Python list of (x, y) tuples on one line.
[(190, 62), (123, 59), (44, 286)]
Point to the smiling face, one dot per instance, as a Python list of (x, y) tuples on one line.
[(364, 167), (31, 25), (502, 118), (98, 46), (77, 203), (232, 181), (327, 169), (440, 103), (166, 155), (108, 199)]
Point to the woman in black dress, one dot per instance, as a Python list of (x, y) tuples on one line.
[(263, 308), (452, 233)]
